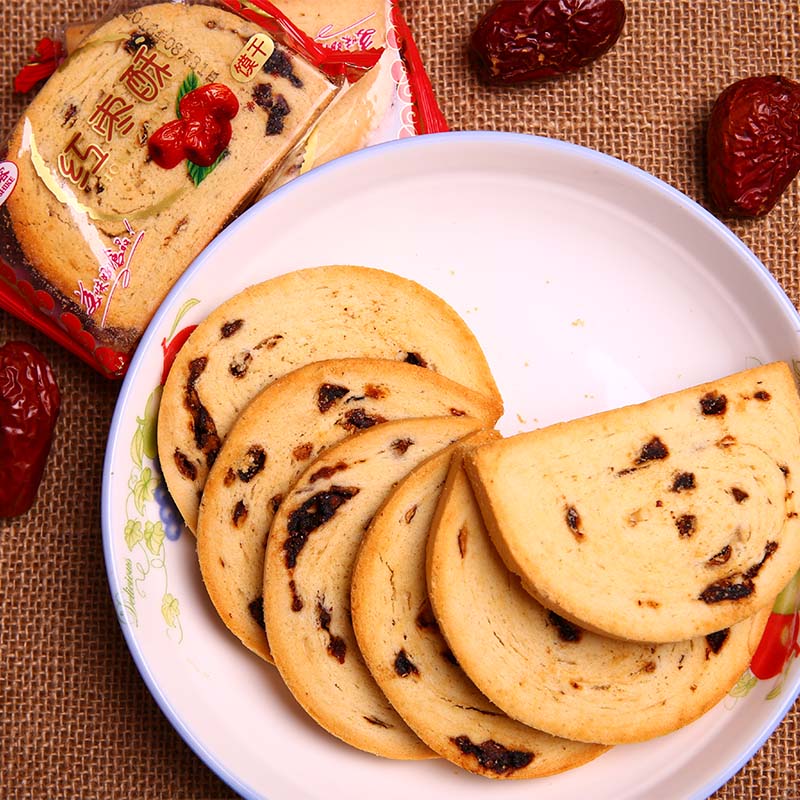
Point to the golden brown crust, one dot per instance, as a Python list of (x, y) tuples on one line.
[(658, 522), (548, 672), (311, 549), (289, 321), (277, 436), (409, 658)]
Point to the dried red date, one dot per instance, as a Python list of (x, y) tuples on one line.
[(753, 143), (528, 40), (29, 403)]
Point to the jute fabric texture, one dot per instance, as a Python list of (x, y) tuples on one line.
[(77, 720)]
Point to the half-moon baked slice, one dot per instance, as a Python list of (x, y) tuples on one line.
[(549, 673), (277, 436), (274, 327), (657, 522), (311, 549), (409, 658)]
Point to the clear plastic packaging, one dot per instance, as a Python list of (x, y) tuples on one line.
[(392, 100), (163, 123)]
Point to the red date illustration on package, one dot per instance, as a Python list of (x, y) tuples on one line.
[(202, 131)]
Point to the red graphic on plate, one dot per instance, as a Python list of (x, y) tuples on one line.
[(170, 349), (781, 638)]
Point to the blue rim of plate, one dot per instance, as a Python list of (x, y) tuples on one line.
[(378, 152)]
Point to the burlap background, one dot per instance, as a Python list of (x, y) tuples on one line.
[(77, 721)]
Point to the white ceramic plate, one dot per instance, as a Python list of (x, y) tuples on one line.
[(589, 284)]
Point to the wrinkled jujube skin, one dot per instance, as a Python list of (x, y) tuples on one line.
[(753, 144), (205, 138), (166, 146), (214, 99), (202, 132), (29, 405), (529, 40)]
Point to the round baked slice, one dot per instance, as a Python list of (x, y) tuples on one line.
[(657, 522), (549, 673), (283, 429), (287, 322), (410, 660), (311, 549)]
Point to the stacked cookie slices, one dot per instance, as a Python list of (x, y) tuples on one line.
[(426, 588), (411, 661), (279, 435), (642, 550)]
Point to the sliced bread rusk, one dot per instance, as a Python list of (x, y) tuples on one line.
[(311, 549), (545, 671), (277, 436), (274, 327), (657, 522), (410, 660)]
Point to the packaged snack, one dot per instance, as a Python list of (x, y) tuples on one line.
[(163, 123), (391, 101)]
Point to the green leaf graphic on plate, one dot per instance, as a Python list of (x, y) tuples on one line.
[(170, 609), (744, 685), (192, 301), (148, 560), (788, 601), (153, 536), (137, 443), (143, 489), (198, 174), (133, 533), (150, 425), (190, 83), (776, 690)]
